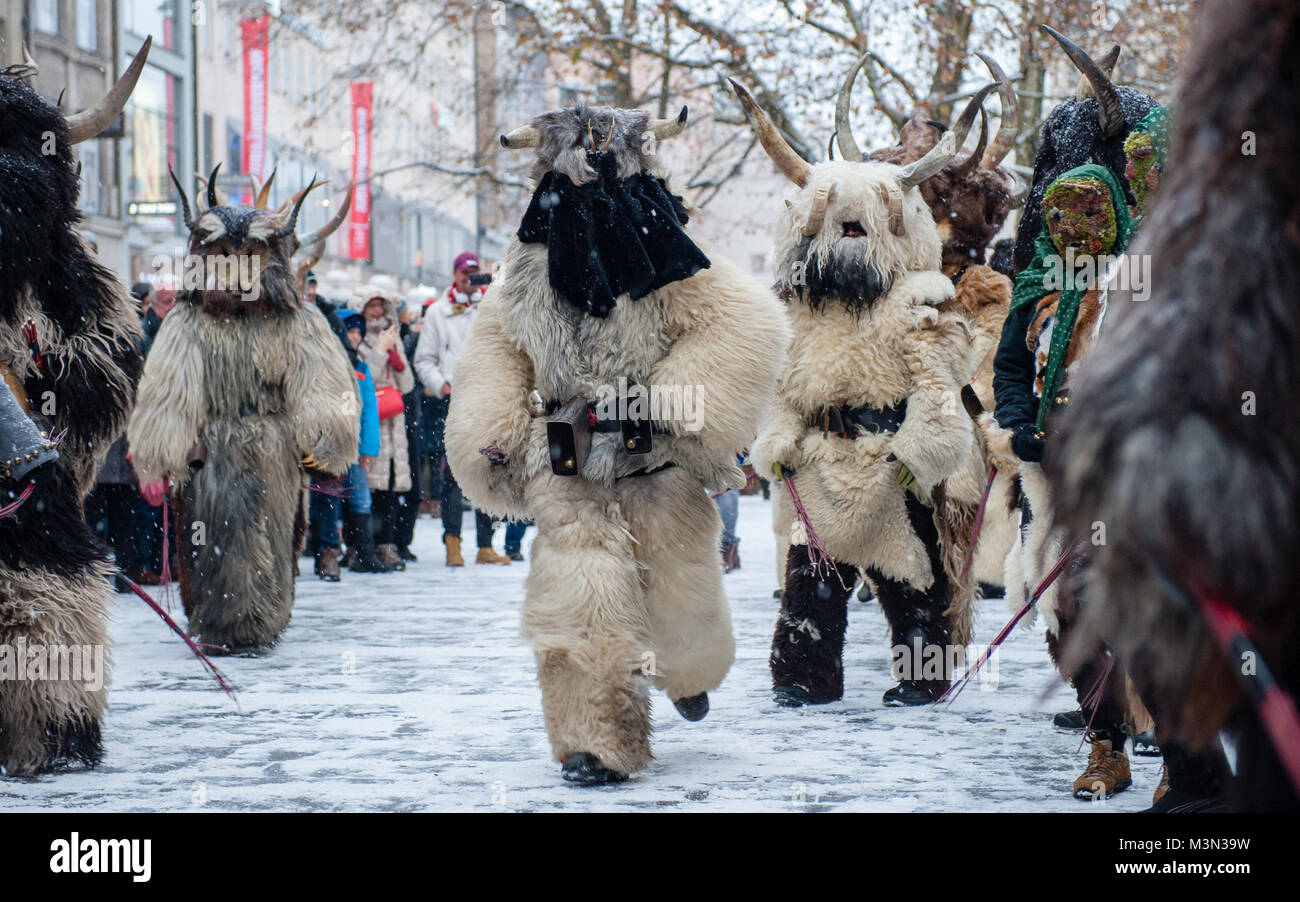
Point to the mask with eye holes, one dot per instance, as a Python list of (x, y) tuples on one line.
[(241, 257), (855, 226)]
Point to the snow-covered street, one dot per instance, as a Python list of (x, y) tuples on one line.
[(414, 692)]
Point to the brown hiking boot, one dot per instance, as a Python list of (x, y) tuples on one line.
[(389, 557), (1163, 786), (426, 507), (488, 556), (1106, 774), (327, 565), (730, 557), (453, 551)]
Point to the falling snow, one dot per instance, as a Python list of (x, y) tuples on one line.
[(413, 692)]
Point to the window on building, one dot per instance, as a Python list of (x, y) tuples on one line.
[(234, 146), (88, 157), (159, 18), (87, 24), (45, 16), (153, 133), (208, 162)]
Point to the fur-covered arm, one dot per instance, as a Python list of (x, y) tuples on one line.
[(778, 440), (322, 392), (88, 383), (732, 351), (936, 436), (489, 409), (170, 403)]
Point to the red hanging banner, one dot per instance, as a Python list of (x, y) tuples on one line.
[(359, 221), (255, 33)]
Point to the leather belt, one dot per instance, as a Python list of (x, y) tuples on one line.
[(850, 422)]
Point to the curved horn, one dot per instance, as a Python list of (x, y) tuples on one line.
[(849, 149), (264, 193), (319, 236), (28, 63), (89, 123), (288, 227), (304, 266), (212, 188), (185, 201), (942, 153), (789, 163), (524, 136), (663, 129), (967, 166), (1009, 128), (1110, 114), (821, 200), (1019, 192), (1106, 64)]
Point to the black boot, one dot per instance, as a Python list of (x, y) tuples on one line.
[(917, 623), (808, 646), (584, 769), (361, 544), (1071, 720), (693, 708)]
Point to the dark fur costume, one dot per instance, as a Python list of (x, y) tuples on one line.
[(1156, 442), (241, 392), (610, 236), (1072, 136), (53, 573)]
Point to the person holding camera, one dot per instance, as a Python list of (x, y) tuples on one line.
[(445, 328)]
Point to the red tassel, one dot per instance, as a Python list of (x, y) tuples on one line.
[(194, 647), (956, 688), (978, 524), (818, 556), (18, 502)]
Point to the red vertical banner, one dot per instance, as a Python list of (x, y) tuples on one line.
[(255, 33), (362, 122)]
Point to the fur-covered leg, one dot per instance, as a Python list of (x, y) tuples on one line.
[(585, 616), (917, 617), (47, 723), (676, 528), (240, 510), (808, 647)]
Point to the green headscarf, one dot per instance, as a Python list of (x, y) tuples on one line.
[(1032, 283), (1152, 130)]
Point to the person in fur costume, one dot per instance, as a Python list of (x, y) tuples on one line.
[(608, 298), (244, 389), (971, 199), (1061, 295), (867, 419), (381, 349), (1184, 436), (68, 337)]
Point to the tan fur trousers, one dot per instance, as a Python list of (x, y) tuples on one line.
[(625, 592)]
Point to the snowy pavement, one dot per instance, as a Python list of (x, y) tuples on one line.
[(413, 692)]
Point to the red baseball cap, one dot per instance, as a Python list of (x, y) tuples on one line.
[(465, 261)]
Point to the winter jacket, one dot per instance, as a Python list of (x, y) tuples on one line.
[(387, 369), (369, 446), (446, 326)]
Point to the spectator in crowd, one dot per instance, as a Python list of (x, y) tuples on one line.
[(327, 307), (446, 326), (381, 349), (408, 510), (355, 502), (161, 301), (433, 415), (141, 291)]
